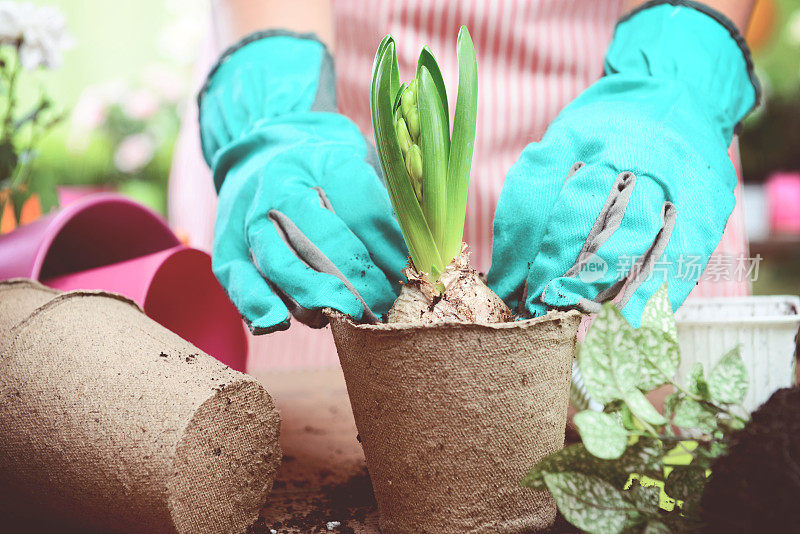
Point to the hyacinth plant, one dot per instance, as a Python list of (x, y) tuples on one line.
[(427, 170)]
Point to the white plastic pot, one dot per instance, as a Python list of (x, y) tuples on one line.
[(764, 327)]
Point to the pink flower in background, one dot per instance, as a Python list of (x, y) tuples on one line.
[(166, 82), (141, 104), (40, 32), (134, 152), (90, 110)]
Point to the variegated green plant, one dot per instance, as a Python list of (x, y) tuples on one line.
[(426, 169), (632, 472)]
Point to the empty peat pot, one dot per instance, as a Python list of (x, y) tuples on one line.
[(112, 423), (453, 415)]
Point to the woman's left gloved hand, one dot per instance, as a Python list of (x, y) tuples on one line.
[(632, 179), (303, 220)]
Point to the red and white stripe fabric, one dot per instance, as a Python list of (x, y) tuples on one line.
[(534, 57)]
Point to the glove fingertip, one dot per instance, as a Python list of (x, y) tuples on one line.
[(257, 329), (346, 303), (535, 308)]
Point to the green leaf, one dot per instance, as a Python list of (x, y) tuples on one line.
[(589, 503), (393, 78), (610, 359), (686, 483), (656, 527), (660, 357), (602, 434), (670, 403), (399, 94), (728, 380), (641, 407), (427, 60), (696, 382), (710, 451), (435, 145), (730, 424), (692, 414), (626, 417), (658, 314), (646, 498), (463, 141), (44, 186), (575, 458), (643, 457), (417, 234), (8, 160), (18, 198)]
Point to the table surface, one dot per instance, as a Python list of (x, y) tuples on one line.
[(323, 477)]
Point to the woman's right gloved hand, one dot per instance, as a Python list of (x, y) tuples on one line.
[(631, 186), (303, 221)]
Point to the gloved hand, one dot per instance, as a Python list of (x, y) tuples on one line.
[(303, 221), (632, 180)]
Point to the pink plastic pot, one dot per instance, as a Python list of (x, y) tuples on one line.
[(783, 199), (108, 242), (176, 288), (90, 232)]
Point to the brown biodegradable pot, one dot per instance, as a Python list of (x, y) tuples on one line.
[(112, 423), (452, 416)]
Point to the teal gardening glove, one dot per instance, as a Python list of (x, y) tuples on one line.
[(632, 180), (303, 221)]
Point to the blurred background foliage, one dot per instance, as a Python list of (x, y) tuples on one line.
[(138, 85), (126, 82), (124, 86), (771, 136)]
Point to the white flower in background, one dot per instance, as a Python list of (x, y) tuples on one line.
[(40, 32), (134, 152), (180, 37), (141, 104), (178, 41)]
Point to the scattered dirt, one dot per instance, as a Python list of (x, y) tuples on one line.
[(349, 501)]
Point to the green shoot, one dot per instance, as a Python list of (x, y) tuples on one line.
[(426, 172)]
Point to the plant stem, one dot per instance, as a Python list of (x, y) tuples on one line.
[(11, 83)]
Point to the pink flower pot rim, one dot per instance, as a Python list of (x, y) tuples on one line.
[(64, 215)]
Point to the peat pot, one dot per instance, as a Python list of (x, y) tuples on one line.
[(452, 416), (112, 423)]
